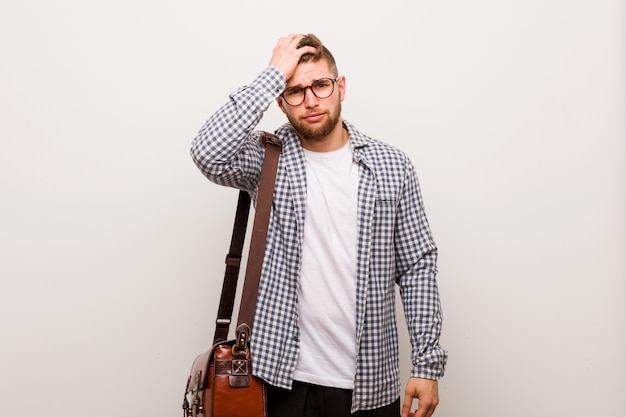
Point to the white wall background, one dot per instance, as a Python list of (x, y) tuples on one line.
[(112, 243)]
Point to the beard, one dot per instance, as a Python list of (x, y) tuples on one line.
[(316, 132)]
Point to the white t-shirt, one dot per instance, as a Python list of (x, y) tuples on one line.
[(327, 292)]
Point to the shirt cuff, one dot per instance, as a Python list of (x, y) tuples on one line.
[(271, 81), (431, 365)]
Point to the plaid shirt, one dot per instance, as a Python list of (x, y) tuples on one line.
[(394, 247)]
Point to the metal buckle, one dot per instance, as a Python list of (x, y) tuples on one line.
[(271, 139), (233, 261), (236, 351)]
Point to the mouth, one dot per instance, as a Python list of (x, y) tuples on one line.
[(315, 117)]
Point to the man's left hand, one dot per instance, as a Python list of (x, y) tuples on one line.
[(427, 393)]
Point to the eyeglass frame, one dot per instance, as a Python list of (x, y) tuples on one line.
[(310, 87)]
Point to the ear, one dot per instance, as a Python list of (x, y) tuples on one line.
[(279, 101), (341, 85)]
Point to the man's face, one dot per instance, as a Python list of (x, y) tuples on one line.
[(315, 118)]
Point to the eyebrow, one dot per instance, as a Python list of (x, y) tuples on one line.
[(314, 81)]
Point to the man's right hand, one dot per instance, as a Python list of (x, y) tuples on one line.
[(286, 54)]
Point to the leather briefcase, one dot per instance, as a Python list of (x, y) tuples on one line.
[(221, 384)]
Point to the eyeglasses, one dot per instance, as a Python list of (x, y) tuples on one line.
[(322, 88)]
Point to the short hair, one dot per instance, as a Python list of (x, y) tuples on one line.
[(321, 52)]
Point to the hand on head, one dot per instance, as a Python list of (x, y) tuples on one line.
[(286, 54)]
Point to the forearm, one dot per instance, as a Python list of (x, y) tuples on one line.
[(226, 149), (422, 308), (416, 259)]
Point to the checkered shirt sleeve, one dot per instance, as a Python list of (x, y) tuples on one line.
[(227, 149)]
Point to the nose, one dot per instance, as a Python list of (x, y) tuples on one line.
[(310, 99)]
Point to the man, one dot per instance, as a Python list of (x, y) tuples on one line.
[(347, 225)]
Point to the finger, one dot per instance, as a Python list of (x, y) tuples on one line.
[(425, 409), (406, 406), (290, 45), (293, 39), (287, 42), (286, 54)]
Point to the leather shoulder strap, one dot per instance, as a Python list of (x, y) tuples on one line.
[(273, 148), (233, 265)]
